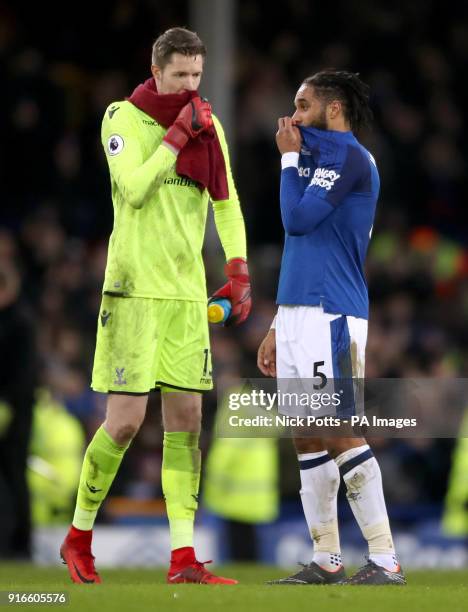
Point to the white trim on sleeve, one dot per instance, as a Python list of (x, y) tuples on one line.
[(289, 160)]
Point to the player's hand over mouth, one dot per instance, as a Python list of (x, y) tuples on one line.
[(288, 136)]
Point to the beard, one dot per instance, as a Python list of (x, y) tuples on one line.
[(320, 122)]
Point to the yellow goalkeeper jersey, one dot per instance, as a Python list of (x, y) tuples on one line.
[(159, 217)]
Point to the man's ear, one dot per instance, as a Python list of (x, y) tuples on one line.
[(156, 71), (334, 109)]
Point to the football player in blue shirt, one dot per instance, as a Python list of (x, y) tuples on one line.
[(328, 195)]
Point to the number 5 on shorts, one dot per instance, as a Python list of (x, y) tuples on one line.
[(318, 374)]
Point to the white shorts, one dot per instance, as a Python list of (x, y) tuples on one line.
[(320, 353)]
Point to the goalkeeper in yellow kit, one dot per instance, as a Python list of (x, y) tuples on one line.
[(167, 157)]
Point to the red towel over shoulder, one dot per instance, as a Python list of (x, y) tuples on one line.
[(201, 159)]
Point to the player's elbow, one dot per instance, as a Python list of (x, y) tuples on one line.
[(133, 198), (294, 231), (131, 191), (293, 226), (135, 203)]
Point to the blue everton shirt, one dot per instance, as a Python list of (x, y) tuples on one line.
[(328, 206)]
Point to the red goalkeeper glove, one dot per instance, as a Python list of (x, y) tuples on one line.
[(191, 121), (236, 290)]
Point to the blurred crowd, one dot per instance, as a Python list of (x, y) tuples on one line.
[(56, 212)]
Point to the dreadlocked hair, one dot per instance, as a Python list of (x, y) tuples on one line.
[(348, 88)]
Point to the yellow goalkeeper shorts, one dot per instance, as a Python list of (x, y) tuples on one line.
[(145, 343)]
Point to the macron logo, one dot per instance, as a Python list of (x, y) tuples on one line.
[(324, 178)]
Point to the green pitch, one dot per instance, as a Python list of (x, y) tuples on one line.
[(145, 590)]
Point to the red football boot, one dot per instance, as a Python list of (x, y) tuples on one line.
[(186, 569), (76, 554)]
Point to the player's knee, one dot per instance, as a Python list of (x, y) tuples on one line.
[(334, 449), (336, 446), (195, 421), (187, 420), (308, 445), (182, 412), (123, 433)]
